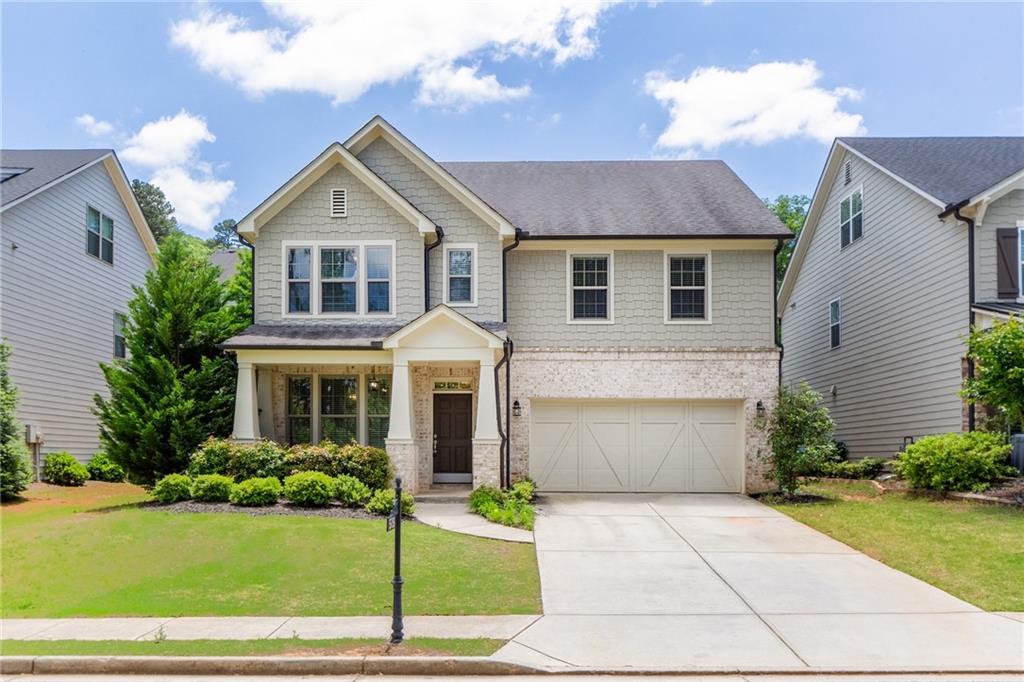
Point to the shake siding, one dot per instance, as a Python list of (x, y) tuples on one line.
[(57, 305), (741, 303), (308, 217), (461, 226), (1003, 213), (903, 287)]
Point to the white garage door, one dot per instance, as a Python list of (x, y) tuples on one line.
[(640, 446)]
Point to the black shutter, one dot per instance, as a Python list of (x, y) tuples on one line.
[(1007, 263)]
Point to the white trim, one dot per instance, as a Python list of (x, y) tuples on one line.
[(667, 289), (464, 246), (494, 342), (569, 255), (1005, 186), (362, 299), (839, 301), (855, 190)]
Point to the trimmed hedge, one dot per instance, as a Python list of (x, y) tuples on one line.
[(350, 491), (309, 489), (240, 461), (172, 488), (370, 465), (868, 467), (102, 468), (959, 462), (60, 468), (211, 488), (383, 501), (256, 492)]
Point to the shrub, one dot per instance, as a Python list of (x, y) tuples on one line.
[(60, 468), (868, 467), (484, 497), (211, 488), (327, 458), (14, 468), (256, 492), (102, 468), (350, 491), (309, 489), (510, 508), (370, 465), (383, 501), (954, 461), (172, 488), (212, 457), (998, 381), (262, 459), (525, 490), (799, 432)]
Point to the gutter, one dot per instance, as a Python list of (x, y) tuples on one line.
[(954, 209), (776, 320), (505, 451), (503, 472), (592, 237), (426, 265)]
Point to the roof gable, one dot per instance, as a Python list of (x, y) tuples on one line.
[(442, 327)]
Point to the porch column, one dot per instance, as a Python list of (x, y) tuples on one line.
[(400, 427), (247, 423), (486, 416)]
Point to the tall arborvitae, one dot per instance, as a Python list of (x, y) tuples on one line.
[(14, 471)]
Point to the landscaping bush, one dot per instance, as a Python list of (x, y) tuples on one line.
[(998, 380), (263, 459), (309, 489), (350, 491), (382, 501), (509, 509), (370, 465), (525, 490), (799, 432), (484, 497), (327, 458), (256, 492), (172, 488), (869, 467), (102, 468), (212, 457), (211, 488), (14, 468), (60, 468), (958, 462)]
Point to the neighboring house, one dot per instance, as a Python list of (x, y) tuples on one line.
[(638, 294), (881, 293), (226, 261), (74, 243)]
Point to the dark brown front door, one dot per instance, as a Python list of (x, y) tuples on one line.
[(453, 444)]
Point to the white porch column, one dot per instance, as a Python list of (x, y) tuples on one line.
[(400, 427), (247, 423), (486, 416)]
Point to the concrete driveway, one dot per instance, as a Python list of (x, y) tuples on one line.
[(722, 582)]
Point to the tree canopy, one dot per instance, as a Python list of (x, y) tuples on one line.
[(158, 211), (224, 235), (791, 209)]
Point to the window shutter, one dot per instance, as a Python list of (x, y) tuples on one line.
[(1007, 266), (339, 203)]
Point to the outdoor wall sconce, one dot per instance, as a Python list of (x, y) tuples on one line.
[(517, 409), (760, 409)]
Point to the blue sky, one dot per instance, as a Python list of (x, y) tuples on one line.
[(221, 103)]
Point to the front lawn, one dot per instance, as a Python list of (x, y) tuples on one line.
[(973, 551), (92, 551)]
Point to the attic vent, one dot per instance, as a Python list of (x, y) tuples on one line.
[(339, 203), (847, 173)]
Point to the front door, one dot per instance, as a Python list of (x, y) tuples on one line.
[(453, 443)]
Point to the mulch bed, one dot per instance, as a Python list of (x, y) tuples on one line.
[(1009, 491), (280, 509)]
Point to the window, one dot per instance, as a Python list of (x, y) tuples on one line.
[(590, 289), (339, 270), (835, 323), (378, 409), (339, 409), (460, 262), (300, 424), (851, 219), (339, 203), (1020, 249), (120, 350), (298, 280), (99, 235), (687, 288), (378, 279)]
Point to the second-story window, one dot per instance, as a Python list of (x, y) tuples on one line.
[(851, 218), (378, 279), (339, 273), (299, 271), (835, 323), (461, 264), (120, 349), (590, 278), (335, 279), (99, 235), (687, 288)]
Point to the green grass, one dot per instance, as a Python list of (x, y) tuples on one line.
[(92, 552), (252, 647), (973, 551)]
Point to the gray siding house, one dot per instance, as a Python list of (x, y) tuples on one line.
[(599, 326), (882, 292), (74, 243)]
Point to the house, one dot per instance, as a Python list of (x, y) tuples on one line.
[(882, 290), (74, 243), (599, 326), (226, 261)]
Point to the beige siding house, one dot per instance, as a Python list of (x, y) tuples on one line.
[(602, 326), (878, 302)]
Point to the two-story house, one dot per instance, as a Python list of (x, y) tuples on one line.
[(908, 243), (74, 243), (598, 326)]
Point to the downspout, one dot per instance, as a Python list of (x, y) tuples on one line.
[(508, 411), (970, 293), (504, 275), (505, 451), (776, 320), (502, 472), (439, 231)]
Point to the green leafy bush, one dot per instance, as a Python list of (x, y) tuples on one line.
[(14, 468), (211, 488), (60, 468), (327, 458), (172, 488), (309, 489), (212, 457), (799, 432), (957, 462), (869, 467), (370, 465), (383, 501), (350, 491), (102, 468), (511, 508), (524, 489), (262, 459), (483, 497), (256, 492), (998, 380)]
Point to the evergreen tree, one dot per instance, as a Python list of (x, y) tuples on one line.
[(791, 209), (14, 470), (239, 288), (224, 235), (158, 211), (176, 387)]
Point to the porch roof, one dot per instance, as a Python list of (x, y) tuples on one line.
[(322, 336)]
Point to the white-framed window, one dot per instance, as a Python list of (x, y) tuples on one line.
[(687, 288), (300, 415), (851, 217), (339, 202), (378, 408), (99, 235), (835, 323), (339, 279), (590, 293), (120, 348), (341, 408), (460, 274)]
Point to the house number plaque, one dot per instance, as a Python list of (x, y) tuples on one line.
[(451, 386)]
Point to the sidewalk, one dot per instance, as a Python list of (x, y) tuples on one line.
[(262, 627)]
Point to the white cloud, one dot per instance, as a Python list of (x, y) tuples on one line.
[(766, 102), (169, 141), (340, 50), (93, 126), (197, 199)]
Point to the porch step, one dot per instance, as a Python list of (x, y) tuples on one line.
[(446, 494)]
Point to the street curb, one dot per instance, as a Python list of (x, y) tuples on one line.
[(259, 665)]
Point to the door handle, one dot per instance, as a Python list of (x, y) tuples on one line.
[(435, 445)]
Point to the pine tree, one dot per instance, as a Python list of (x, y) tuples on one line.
[(14, 470), (176, 387)]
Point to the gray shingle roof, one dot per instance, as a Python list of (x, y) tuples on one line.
[(295, 336), (553, 199), (44, 166), (1004, 307), (951, 169)]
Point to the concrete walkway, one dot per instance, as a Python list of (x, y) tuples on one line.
[(722, 582), (454, 516)]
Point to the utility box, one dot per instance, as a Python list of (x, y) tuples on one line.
[(1017, 452)]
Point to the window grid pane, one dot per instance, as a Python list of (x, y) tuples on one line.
[(460, 262), (460, 290), (378, 409), (93, 243), (107, 250), (687, 304), (299, 279), (590, 287), (339, 395), (338, 297), (590, 304), (378, 297), (378, 279), (299, 399), (687, 288)]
